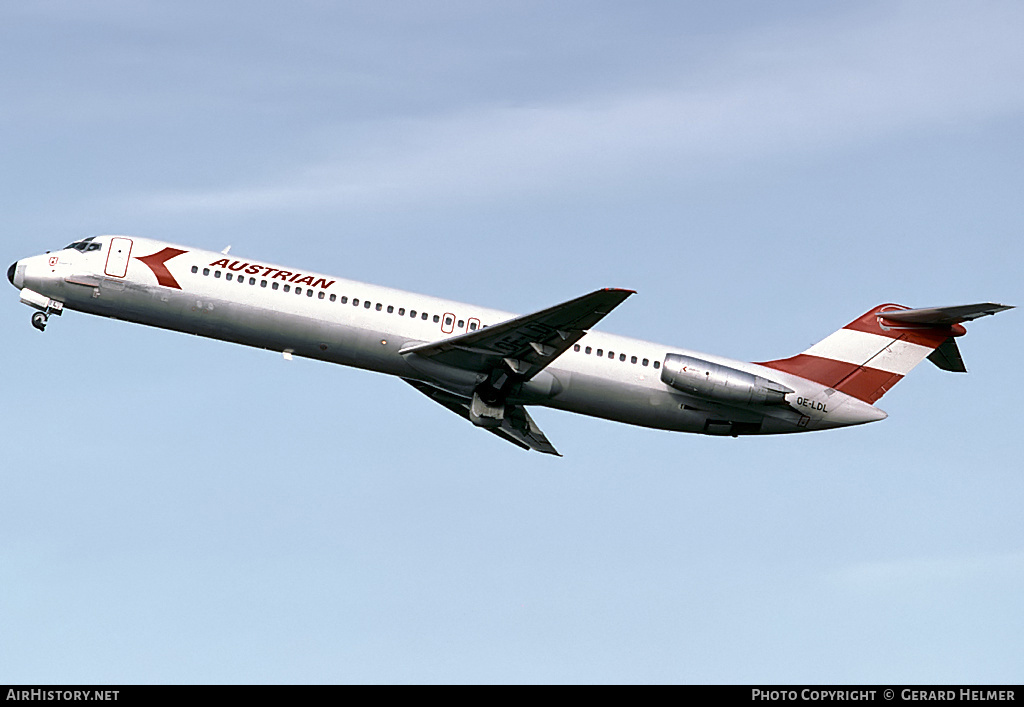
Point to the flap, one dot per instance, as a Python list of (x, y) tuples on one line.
[(517, 426)]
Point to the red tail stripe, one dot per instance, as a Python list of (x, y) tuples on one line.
[(867, 384)]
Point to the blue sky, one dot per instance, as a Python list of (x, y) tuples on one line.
[(182, 510)]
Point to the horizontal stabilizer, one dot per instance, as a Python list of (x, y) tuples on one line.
[(945, 316), (947, 357)]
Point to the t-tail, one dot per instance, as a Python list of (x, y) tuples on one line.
[(874, 352)]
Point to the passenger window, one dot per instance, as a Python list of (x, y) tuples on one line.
[(622, 357), (657, 364), (379, 306), (195, 268), (344, 299), (334, 298), (355, 301), (287, 288), (461, 324), (309, 293), (412, 313), (263, 283), (401, 311), (274, 285), (632, 359), (611, 354), (447, 321), (298, 290), (645, 362), (206, 271), (391, 310), (587, 350), (600, 352), (576, 347), (366, 304), (424, 317), (472, 327), (437, 318), (216, 273), (320, 295), (252, 281)]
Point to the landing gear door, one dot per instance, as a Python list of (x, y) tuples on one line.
[(117, 257)]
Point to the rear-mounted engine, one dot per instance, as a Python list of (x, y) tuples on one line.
[(720, 384)]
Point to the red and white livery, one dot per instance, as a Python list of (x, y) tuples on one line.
[(486, 365)]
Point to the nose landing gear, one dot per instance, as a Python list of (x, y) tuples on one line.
[(44, 304)]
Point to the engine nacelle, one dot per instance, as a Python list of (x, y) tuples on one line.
[(720, 384)]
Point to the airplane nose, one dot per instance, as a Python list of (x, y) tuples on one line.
[(10, 272)]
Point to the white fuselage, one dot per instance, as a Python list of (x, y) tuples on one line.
[(366, 326)]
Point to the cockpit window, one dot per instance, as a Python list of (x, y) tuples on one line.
[(84, 246)]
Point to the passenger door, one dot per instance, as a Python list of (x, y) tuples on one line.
[(117, 257)]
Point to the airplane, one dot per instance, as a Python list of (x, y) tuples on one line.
[(488, 366)]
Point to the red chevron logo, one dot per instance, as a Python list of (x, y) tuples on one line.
[(156, 263)]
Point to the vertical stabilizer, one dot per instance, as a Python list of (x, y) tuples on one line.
[(872, 353)]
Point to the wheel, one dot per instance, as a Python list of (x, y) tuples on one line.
[(39, 321)]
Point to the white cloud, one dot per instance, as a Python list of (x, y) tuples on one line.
[(940, 572), (811, 88)]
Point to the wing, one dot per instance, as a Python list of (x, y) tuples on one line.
[(517, 426), (508, 354), (524, 344)]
